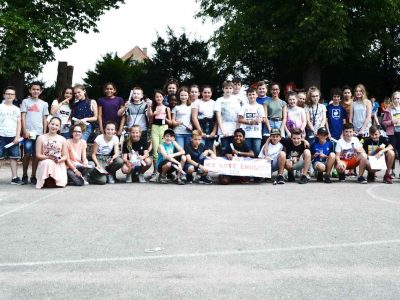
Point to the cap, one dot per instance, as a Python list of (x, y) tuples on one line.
[(322, 131), (275, 131)]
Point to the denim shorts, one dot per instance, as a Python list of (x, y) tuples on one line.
[(30, 147), (12, 152)]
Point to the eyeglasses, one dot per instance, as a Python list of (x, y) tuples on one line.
[(77, 131)]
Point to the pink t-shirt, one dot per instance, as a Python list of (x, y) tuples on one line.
[(75, 150)]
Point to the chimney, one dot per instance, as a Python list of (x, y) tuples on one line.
[(145, 50)]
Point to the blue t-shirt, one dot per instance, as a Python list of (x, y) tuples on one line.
[(335, 116), (325, 149), (263, 100), (169, 149)]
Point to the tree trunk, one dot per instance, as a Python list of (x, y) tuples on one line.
[(62, 76), (312, 76), (70, 74), (17, 79)]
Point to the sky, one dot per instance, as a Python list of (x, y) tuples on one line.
[(135, 23)]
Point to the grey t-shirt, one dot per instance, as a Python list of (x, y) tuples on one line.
[(35, 111), (275, 108), (137, 115)]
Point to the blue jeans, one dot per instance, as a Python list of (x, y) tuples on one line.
[(30, 147), (225, 143), (254, 144), (276, 125), (12, 152), (183, 139), (86, 134)]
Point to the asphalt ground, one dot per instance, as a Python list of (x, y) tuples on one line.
[(153, 241)]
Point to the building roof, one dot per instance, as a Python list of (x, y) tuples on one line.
[(136, 54)]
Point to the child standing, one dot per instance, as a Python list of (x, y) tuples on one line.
[(347, 102), (238, 93), (251, 116), (315, 113), (161, 118), (194, 92), (34, 112), (336, 115), (110, 107), (295, 116), (227, 109), (275, 110), (182, 117), (10, 129), (61, 108), (361, 111)]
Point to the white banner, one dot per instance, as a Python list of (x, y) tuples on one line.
[(239, 166)]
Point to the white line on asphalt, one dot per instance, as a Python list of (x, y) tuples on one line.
[(370, 193), (29, 204), (200, 254)]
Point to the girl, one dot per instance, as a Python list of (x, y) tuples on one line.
[(110, 107), (161, 118), (170, 88), (77, 162), (135, 155), (61, 108), (194, 92), (361, 111), (296, 116), (51, 151), (106, 156), (315, 113), (203, 117), (301, 99), (181, 118), (391, 121), (84, 110), (275, 110), (347, 101)]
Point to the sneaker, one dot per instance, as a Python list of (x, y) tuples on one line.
[(205, 180), (128, 178), (180, 181), (33, 180), (154, 177), (320, 176), (361, 179), (141, 178), (291, 176), (16, 180), (342, 177), (327, 178), (388, 179), (371, 177), (280, 179), (172, 177), (110, 179), (303, 179), (163, 179), (24, 180), (189, 178), (183, 177), (335, 173)]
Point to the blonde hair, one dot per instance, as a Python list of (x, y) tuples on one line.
[(312, 89), (364, 91), (129, 141), (195, 133), (391, 103)]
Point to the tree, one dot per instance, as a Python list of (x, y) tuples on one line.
[(303, 36), (29, 31)]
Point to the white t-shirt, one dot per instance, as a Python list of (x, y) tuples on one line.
[(229, 109), (316, 115), (182, 113), (9, 116), (63, 113), (241, 98), (105, 147), (347, 149), (252, 112), (273, 151), (205, 108)]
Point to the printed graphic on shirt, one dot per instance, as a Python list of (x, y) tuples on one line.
[(335, 113)]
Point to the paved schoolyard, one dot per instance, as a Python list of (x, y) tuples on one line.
[(314, 241)]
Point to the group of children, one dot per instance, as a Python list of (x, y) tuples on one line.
[(175, 132)]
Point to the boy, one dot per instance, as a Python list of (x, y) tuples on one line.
[(251, 116), (323, 157), (137, 112), (227, 110), (262, 98), (272, 151), (237, 148), (376, 145), (237, 92), (196, 152), (350, 154), (10, 129), (171, 157), (298, 157), (34, 112), (336, 114)]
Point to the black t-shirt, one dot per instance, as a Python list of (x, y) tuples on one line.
[(292, 150), (242, 148), (195, 153), (370, 146), (138, 147)]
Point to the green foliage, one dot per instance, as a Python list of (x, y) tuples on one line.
[(30, 30)]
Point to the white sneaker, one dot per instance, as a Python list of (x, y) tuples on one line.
[(141, 178), (110, 179), (154, 177), (128, 178)]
